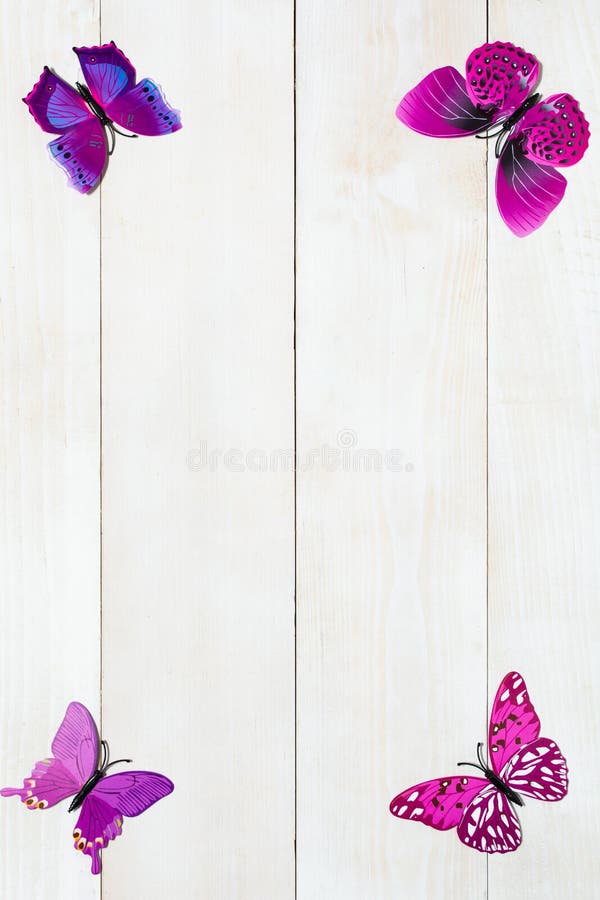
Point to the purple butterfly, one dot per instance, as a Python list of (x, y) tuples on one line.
[(84, 118), (75, 770), (483, 809), (534, 135)]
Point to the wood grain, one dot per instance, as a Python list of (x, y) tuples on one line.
[(198, 661), (49, 451), (544, 507), (147, 388), (391, 354)]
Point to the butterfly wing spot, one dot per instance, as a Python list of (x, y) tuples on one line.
[(538, 770), (144, 110), (489, 823), (52, 780), (82, 153), (513, 715), (506, 75), (98, 824), (554, 132), (439, 803)]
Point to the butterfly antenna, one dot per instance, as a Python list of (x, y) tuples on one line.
[(480, 755), (123, 133), (488, 135), (110, 765), (105, 754), (501, 143), (481, 766), (111, 130)]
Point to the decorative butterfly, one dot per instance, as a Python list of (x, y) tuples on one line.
[(522, 765), (534, 136), (76, 770), (85, 118)]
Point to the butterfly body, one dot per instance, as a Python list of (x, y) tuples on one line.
[(534, 136), (494, 779), (522, 764), (78, 771), (83, 117)]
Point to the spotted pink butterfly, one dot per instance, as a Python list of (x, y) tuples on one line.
[(523, 764), (535, 136), (78, 770)]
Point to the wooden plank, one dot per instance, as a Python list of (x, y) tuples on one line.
[(49, 451), (391, 354), (544, 477), (198, 357)]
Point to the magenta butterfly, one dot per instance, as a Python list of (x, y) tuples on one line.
[(76, 770), (86, 117), (534, 136), (522, 765)]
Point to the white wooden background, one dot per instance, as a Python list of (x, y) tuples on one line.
[(296, 270)]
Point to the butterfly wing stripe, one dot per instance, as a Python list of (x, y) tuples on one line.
[(439, 803), (526, 194), (440, 107), (76, 741), (538, 770), (55, 105), (107, 71), (133, 792), (490, 824), (49, 783), (97, 825)]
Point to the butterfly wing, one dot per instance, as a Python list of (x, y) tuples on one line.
[(439, 803), (513, 722), (140, 108), (107, 71), (440, 106), (55, 105), (490, 824), (554, 132), (115, 796), (75, 749), (501, 76), (81, 149), (526, 192), (538, 770), (83, 154)]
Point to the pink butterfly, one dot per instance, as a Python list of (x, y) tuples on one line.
[(76, 770), (483, 809), (84, 118), (534, 135)]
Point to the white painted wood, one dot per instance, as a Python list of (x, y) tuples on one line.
[(544, 475), (198, 550), (391, 354), (198, 356), (49, 452)]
